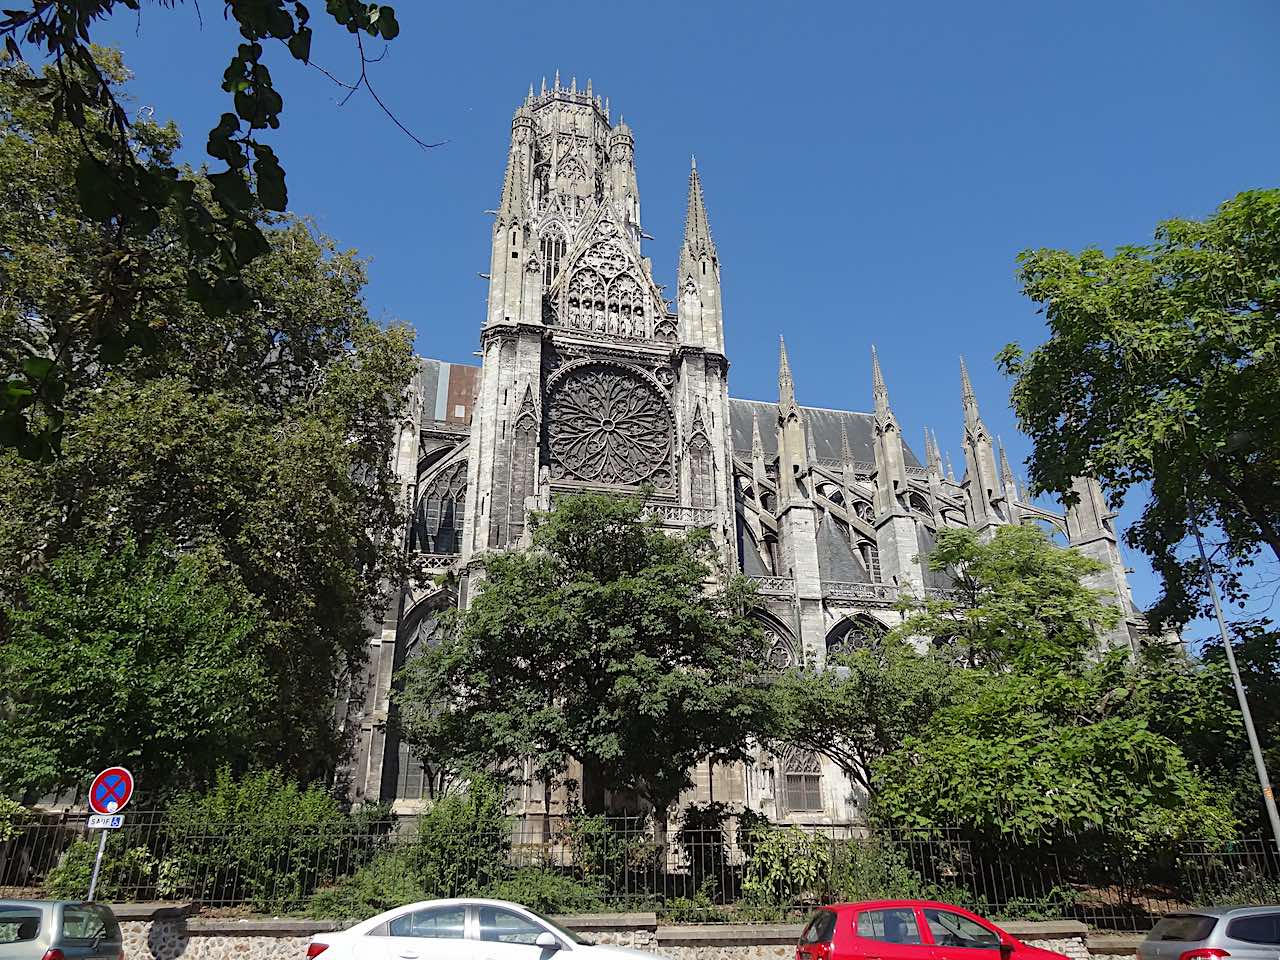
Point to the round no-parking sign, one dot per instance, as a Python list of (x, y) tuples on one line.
[(111, 790)]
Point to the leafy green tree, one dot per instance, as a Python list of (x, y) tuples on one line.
[(148, 659), (1015, 599), (1159, 373), (258, 437), (864, 705), (220, 229), (1051, 757), (611, 643)]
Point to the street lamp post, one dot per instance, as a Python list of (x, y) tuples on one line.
[(1268, 796)]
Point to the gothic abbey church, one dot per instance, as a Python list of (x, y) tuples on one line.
[(590, 379)]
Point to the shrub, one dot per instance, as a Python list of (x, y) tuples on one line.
[(264, 840), (125, 870), (549, 891), (611, 851), (786, 866), (385, 883), (460, 849)]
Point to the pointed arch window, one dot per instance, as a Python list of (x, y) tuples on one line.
[(802, 781), (855, 633), (553, 251), (442, 508)]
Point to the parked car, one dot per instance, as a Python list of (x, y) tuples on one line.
[(459, 930), (909, 930), (58, 930), (1249, 933)]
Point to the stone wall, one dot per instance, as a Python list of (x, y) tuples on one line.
[(174, 933)]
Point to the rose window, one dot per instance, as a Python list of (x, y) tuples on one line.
[(609, 425)]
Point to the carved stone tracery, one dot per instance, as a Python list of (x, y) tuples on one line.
[(608, 424)]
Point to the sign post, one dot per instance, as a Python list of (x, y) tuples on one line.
[(108, 794)]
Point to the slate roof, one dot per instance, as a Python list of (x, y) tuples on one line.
[(825, 425)]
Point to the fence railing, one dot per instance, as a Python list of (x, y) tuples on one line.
[(727, 872)]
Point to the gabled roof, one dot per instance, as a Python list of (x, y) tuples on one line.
[(824, 425)]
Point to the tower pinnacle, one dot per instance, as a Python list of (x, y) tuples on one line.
[(878, 388), (786, 385), (697, 228)]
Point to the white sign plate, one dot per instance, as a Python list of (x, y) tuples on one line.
[(100, 822)]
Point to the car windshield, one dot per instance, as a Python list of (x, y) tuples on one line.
[(561, 931)]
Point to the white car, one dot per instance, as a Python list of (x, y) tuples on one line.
[(459, 930)]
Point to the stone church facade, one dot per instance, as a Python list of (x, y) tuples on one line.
[(594, 377)]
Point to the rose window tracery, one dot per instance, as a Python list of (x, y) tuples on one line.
[(609, 425)]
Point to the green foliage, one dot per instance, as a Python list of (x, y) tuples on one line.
[(609, 851), (152, 658), (865, 706), (601, 645), (255, 439), (1017, 600), (549, 891), (385, 882), (275, 842), (1049, 757), (12, 816), (124, 869), (461, 848), (787, 865), (1160, 372), (121, 190)]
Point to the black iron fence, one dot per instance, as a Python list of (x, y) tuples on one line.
[(735, 871)]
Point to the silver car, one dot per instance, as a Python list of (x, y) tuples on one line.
[(58, 930), (1242, 933)]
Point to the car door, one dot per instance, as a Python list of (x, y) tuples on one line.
[(428, 933), (89, 931), (884, 933), (956, 936), (1254, 935), (504, 934)]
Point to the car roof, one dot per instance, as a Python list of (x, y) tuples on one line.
[(1222, 911), (881, 904)]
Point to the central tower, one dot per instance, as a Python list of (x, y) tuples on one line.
[(589, 381)]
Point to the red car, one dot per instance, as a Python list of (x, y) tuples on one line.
[(908, 930)]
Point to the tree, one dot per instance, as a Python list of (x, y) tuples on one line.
[(1159, 371), (863, 705), (220, 228), (1048, 757), (151, 659), (1015, 599), (610, 642), (256, 438)]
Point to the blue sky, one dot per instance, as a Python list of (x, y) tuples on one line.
[(871, 170)]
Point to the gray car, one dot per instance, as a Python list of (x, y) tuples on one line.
[(58, 930), (1241, 933)]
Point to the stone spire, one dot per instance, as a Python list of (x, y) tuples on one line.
[(1090, 530), (932, 459), (810, 449), (793, 439), (1006, 473), (891, 467), (951, 471), (759, 474), (786, 385), (982, 480), (698, 244), (1014, 513), (512, 208), (879, 391), (701, 317)]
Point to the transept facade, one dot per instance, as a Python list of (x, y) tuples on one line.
[(593, 376)]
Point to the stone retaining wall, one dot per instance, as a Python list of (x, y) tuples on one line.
[(174, 933)]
